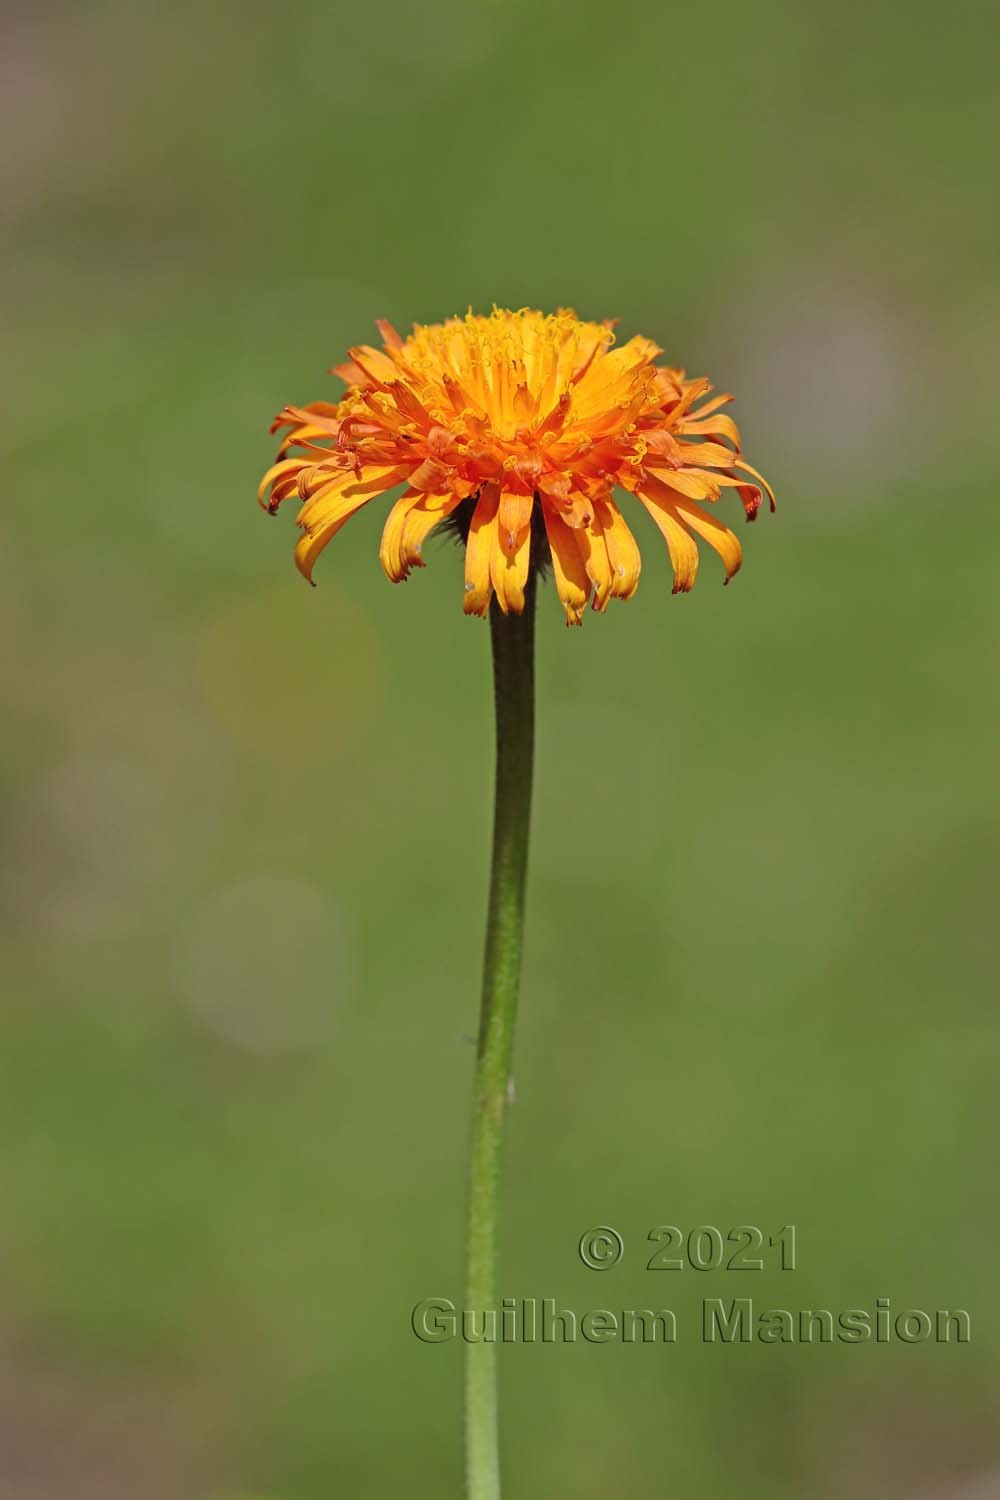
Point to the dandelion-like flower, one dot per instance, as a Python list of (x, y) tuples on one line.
[(518, 425)]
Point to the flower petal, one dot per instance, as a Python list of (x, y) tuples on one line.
[(707, 456), (572, 583), (717, 426), (623, 551), (514, 516), (375, 366), (741, 463), (725, 543), (710, 406), (431, 476), (321, 517), (680, 543), (390, 337), (420, 522), (509, 569), (283, 478), (479, 551), (595, 558), (690, 482), (407, 526)]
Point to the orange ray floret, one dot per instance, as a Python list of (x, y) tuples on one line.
[(524, 425)]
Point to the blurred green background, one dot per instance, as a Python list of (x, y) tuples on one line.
[(246, 823)]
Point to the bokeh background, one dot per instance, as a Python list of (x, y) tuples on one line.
[(246, 823)]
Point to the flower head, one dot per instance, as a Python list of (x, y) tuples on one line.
[(504, 419)]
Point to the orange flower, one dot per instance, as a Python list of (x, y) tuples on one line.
[(517, 415)]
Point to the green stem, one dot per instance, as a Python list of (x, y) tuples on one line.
[(513, 638)]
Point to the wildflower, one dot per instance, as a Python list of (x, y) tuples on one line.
[(518, 425)]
